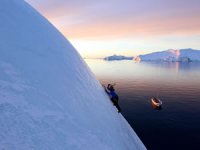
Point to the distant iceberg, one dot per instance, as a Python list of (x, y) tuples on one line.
[(171, 55), (118, 57)]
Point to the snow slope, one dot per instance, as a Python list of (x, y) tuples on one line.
[(117, 57), (49, 99), (173, 55)]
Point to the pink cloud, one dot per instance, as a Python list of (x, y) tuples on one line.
[(116, 18)]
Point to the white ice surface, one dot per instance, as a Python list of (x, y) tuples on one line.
[(49, 99), (173, 55)]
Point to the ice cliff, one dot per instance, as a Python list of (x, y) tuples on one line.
[(171, 55), (49, 99)]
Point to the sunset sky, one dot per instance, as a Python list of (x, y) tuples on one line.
[(99, 28)]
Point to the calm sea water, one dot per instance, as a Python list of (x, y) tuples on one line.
[(177, 125)]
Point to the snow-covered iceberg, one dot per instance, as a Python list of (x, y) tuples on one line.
[(182, 55), (117, 57), (49, 99)]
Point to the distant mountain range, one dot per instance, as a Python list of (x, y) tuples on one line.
[(171, 55)]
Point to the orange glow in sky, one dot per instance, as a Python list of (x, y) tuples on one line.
[(129, 27)]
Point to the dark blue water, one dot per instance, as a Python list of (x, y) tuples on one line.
[(177, 125)]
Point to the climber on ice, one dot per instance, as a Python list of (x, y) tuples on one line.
[(112, 94)]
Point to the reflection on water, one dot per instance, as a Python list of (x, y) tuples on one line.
[(177, 125)]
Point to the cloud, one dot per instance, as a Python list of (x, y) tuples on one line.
[(122, 18)]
